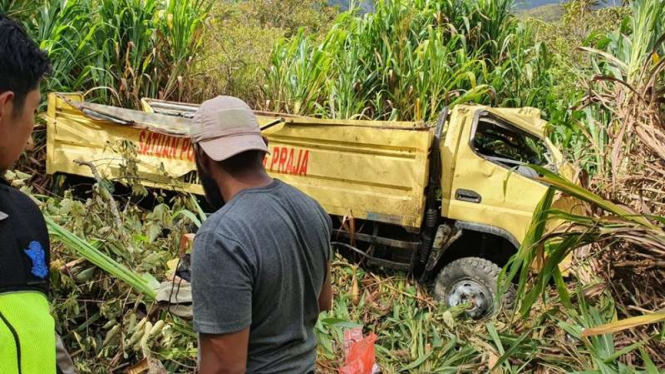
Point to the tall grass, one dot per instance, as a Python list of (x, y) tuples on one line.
[(63, 28), (122, 50), (625, 113), (594, 239), (619, 130), (407, 60), (19, 9)]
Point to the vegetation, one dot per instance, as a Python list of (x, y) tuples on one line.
[(108, 318), (121, 50), (407, 60), (240, 37), (598, 75)]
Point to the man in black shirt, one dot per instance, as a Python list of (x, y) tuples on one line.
[(27, 330)]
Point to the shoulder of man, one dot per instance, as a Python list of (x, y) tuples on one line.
[(23, 225), (220, 227), (296, 191), (221, 222), (313, 202), (27, 206), (16, 195)]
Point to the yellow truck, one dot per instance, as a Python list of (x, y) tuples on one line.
[(449, 201)]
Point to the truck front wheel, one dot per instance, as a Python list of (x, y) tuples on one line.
[(471, 280)]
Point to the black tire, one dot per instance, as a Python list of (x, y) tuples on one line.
[(472, 277)]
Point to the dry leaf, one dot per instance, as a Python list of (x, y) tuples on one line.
[(624, 324), (140, 367), (492, 360)]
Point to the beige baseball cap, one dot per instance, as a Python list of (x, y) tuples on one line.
[(226, 126)]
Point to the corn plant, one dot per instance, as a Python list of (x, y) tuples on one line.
[(20, 9), (105, 281), (95, 256), (404, 61), (65, 32), (297, 75), (121, 50), (612, 224), (626, 118)]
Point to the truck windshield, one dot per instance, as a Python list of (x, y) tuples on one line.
[(509, 146)]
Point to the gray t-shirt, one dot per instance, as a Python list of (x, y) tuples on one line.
[(260, 262)]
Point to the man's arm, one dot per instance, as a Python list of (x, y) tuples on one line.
[(224, 354), (326, 297)]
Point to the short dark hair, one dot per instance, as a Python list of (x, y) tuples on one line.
[(22, 63), (243, 162)]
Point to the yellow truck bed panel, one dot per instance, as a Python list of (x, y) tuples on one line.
[(363, 172), (352, 169)]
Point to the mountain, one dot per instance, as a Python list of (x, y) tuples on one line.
[(547, 12), (343, 5), (530, 4)]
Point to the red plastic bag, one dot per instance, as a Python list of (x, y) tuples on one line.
[(360, 358), (351, 336)]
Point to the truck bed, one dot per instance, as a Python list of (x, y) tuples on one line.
[(361, 169)]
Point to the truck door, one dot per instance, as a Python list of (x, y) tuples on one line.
[(492, 186)]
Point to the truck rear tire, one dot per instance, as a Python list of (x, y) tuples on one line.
[(471, 280)]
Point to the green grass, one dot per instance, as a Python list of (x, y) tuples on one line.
[(120, 50)]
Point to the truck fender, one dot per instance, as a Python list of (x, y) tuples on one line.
[(447, 235), (488, 229)]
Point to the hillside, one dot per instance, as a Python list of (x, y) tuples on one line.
[(533, 4), (343, 5), (547, 13)]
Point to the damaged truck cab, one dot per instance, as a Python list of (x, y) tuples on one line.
[(449, 201)]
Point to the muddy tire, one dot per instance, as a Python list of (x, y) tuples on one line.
[(471, 280)]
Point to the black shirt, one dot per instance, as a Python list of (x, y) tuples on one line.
[(24, 243)]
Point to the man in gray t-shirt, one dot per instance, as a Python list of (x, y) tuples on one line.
[(260, 265)]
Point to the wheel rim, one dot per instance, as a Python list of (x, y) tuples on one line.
[(469, 291)]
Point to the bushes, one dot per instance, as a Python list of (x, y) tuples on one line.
[(240, 37)]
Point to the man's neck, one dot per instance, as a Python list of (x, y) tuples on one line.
[(230, 186)]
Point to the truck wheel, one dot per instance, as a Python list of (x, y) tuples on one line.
[(471, 280)]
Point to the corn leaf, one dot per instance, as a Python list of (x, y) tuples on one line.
[(625, 324)]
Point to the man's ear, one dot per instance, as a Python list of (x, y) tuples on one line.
[(6, 103), (6, 97)]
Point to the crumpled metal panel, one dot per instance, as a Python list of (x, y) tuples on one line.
[(364, 169)]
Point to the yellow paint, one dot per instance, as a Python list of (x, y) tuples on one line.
[(527, 119), (377, 174), (508, 199), (73, 136), (366, 169), (351, 166)]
